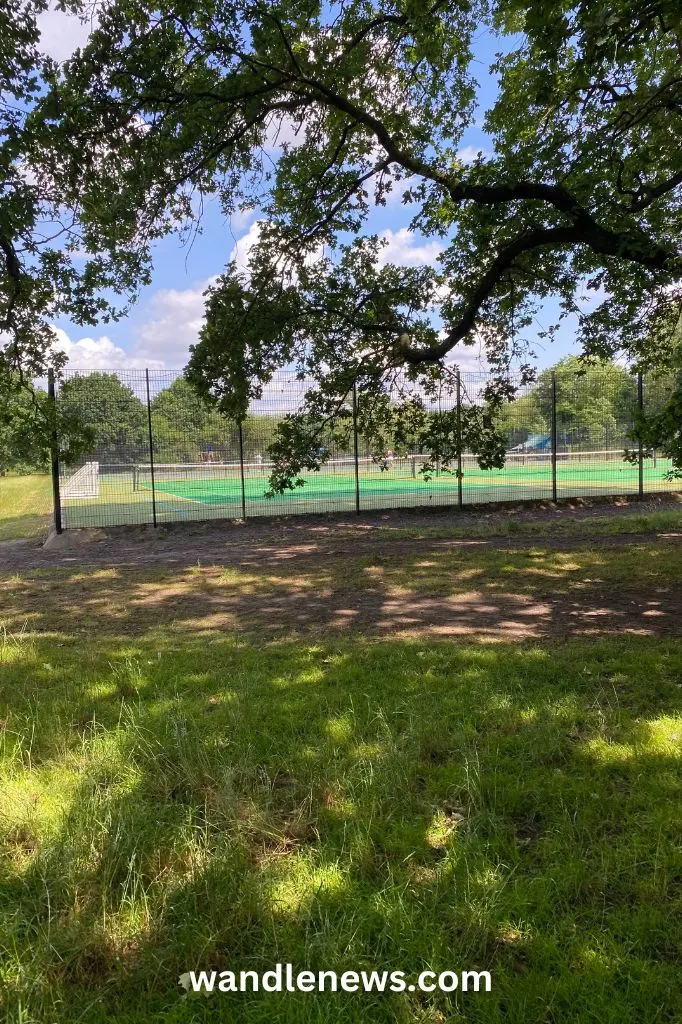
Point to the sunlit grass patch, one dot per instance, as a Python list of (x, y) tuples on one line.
[(25, 506), (340, 804)]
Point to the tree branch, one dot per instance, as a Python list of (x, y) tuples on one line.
[(625, 245), (14, 274), (331, 213), (655, 192)]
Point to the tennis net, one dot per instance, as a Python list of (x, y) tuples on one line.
[(408, 465), (412, 466)]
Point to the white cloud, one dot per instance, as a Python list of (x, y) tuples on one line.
[(241, 219), (162, 340), (241, 250), (469, 358), (468, 154), (61, 33), (404, 250), (174, 324), (283, 130), (99, 354)]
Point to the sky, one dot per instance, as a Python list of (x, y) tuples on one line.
[(166, 320)]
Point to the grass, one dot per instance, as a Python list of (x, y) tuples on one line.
[(342, 806), (25, 506), (176, 794), (606, 525), (364, 593)]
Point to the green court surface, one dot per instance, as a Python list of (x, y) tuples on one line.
[(179, 498), (321, 486)]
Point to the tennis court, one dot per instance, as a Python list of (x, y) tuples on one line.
[(214, 490), (523, 475)]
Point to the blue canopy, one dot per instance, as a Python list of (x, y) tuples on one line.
[(538, 441)]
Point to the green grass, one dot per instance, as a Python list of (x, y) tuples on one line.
[(609, 524), (175, 796), (25, 506)]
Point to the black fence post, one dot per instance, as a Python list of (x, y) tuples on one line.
[(554, 437), (54, 453), (640, 406), (241, 467), (151, 447), (460, 493), (355, 450)]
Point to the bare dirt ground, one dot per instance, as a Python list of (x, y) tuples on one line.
[(283, 538), (371, 574)]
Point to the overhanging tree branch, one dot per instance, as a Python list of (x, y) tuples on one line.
[(587, 233)]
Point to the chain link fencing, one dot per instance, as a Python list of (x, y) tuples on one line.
[(161, 455)]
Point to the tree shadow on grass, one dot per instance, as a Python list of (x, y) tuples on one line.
[(341, 805), (494, 595)]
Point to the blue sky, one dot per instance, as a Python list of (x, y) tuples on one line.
[(165, 321)]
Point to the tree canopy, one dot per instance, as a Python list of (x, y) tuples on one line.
[(182, 407), (172, 102), (21, 446), (112, 417), (596, 406), (45, 269)]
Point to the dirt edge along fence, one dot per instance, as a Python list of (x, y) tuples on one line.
[(161, 455)]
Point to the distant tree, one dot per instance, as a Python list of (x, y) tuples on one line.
[(660, 425), (522, 418), (21, 446), (187, 426), (596, 405), (661, 430), (259, 431), (183, 408), (114, 419), (180, 417)]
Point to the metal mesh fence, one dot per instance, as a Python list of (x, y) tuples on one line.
[(595, 418), (527, 473), (159, 454), (655, 466)]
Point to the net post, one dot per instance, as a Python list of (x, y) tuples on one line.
[(355, 449), (640, 456), (554, 437), (151, 446), (460, 494), (54, 453), (241, 467)]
